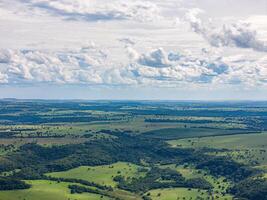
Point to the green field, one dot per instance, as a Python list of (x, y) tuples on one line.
[(183, 193), (102, 174), (242, 141), (46, 190), (189, 132), (246, 148)]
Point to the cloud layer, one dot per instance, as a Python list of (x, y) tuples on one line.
[(91, 66)]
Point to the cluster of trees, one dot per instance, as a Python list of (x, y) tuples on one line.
[(81, 189), (80, 181), (7, 134), (221, 166), (160, 178), (12, 184), (251, 189)]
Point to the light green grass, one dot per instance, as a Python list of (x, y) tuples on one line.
[(178, 133), (101, 174), (136, 125), (47, 190), (181, 193), (241, 141), (245, 148), (262, 167)]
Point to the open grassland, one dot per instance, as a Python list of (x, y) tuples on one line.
[(102, 174), (242, 141), (42, 141), (189, 132), (246, 148), (183, 194), (253, 157), (262, 167), (65, 122), (48, 190), (135, 125)]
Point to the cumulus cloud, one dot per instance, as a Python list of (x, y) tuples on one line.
[(95, 10), (31, 66), (155, 58), (176, 68), (238, 34), (91, 66)]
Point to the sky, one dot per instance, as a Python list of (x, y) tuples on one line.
[(133, 49)]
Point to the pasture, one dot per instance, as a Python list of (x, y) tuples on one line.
[(103, 174), (183, 194), (245, 148), (46, 190)]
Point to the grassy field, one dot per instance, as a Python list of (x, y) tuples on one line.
[(246, 148), (182, 193), (44, 190), (101, 174), (242, 141), (189, 132), (42, 141), (137, 124)]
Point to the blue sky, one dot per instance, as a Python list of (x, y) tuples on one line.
[(131, 49)]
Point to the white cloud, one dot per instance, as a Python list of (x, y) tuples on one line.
[(95, 10), (155, 58), (31, 66), (239, 34)]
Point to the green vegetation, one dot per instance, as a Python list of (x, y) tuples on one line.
[(12, 184), (248, 148), (44, 190), (184, 194), (253, 188), (220, 185), (127, 150), (103, 174), (235, 142), (178, 133)]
